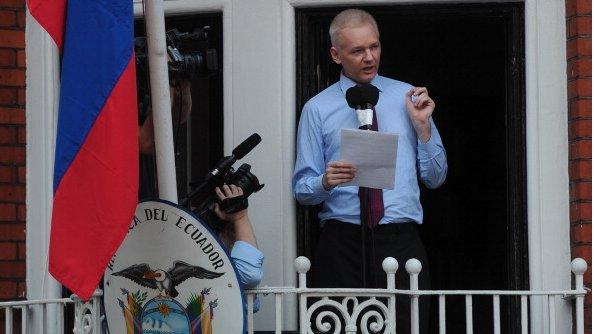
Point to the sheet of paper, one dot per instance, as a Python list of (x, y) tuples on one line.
[(374, 155)]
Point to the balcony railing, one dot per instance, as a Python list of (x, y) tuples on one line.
[(339, 310)]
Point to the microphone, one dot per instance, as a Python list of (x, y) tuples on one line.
[(225, 164), (363, 98), (238, 152), (246, 146)]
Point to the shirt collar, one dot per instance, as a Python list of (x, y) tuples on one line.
[(346, 83)]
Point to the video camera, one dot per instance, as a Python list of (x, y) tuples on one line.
[(189, 54), (189, 57), (202, 197)]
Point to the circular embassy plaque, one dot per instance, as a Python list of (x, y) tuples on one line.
[(171, 275)]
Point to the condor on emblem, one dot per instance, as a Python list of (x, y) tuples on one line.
[(171, 275)]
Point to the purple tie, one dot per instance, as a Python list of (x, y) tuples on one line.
[(372, 200)]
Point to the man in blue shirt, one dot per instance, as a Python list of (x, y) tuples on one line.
[(401, 109)]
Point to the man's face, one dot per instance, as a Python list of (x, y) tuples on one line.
[(358, 51)]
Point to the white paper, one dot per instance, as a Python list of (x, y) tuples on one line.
[(373, 154)]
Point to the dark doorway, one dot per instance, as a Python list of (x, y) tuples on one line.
[(471, 59), (198, 142)]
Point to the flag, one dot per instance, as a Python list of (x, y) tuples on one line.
[(96, 160)]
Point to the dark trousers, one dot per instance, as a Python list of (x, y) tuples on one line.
[(337, 263)]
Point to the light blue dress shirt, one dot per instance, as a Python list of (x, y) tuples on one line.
[(318, 142)]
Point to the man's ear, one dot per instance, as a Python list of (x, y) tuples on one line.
[(334, 55)]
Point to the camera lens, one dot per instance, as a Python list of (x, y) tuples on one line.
[(244, 179)]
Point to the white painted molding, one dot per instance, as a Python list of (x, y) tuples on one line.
[(547, 158), (289, 129), (42, 97)]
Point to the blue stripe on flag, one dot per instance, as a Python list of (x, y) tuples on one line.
[(98, 45)]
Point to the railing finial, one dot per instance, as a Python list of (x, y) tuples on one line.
[(302, 264), (390, 265), (413, 266), (579, 266)]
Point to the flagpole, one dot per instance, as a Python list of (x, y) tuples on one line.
[(161, 104)]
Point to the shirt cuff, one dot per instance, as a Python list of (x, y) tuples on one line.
[(430, 149), (319, 186), (246, 252)]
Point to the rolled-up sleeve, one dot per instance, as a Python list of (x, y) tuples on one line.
[(432, 160), (248, 261), (309, 165)]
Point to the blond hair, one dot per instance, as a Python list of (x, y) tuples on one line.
[(350, 18)]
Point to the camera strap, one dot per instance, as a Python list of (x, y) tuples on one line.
[(234, 204)]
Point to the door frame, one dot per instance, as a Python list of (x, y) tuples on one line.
[(546, 140)]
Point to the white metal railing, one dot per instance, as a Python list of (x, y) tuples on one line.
[(374, 308), (349, 305), (87, 317)]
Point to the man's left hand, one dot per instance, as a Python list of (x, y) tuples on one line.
[(420, 107)]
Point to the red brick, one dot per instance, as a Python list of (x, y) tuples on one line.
[(583, 251), (12, 269), (8, 212), (579, 26), (12, 77), (22, 174), (580, 108), (12, 38), (7, 174), (8, 251), (12, 155), (22, 212), (580, 170), (11, 231), (8, 96), (11, 193), (581, 67), (580, 191), (8, 290), (580, 211), (580, 149), (21, 96), (21, 19), (21, 58), (581, 46), (578, 7), (22, 135), (7, 18), (7, 57), (14, 116), (19, 4), (584, 7), (579, 87), (580, 129), (21, 250), (8, 135), (581, 232)]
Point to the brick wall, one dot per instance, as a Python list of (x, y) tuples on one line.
[(579, 91), (12, 151)]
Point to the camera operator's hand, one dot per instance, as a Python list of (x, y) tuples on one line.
[(241, 223), (229, 191)]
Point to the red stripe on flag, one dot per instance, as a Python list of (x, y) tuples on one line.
[(50, 14), (98, 194)]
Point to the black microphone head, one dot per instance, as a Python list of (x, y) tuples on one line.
[(354, 97), (369, 94), (246, 146)]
